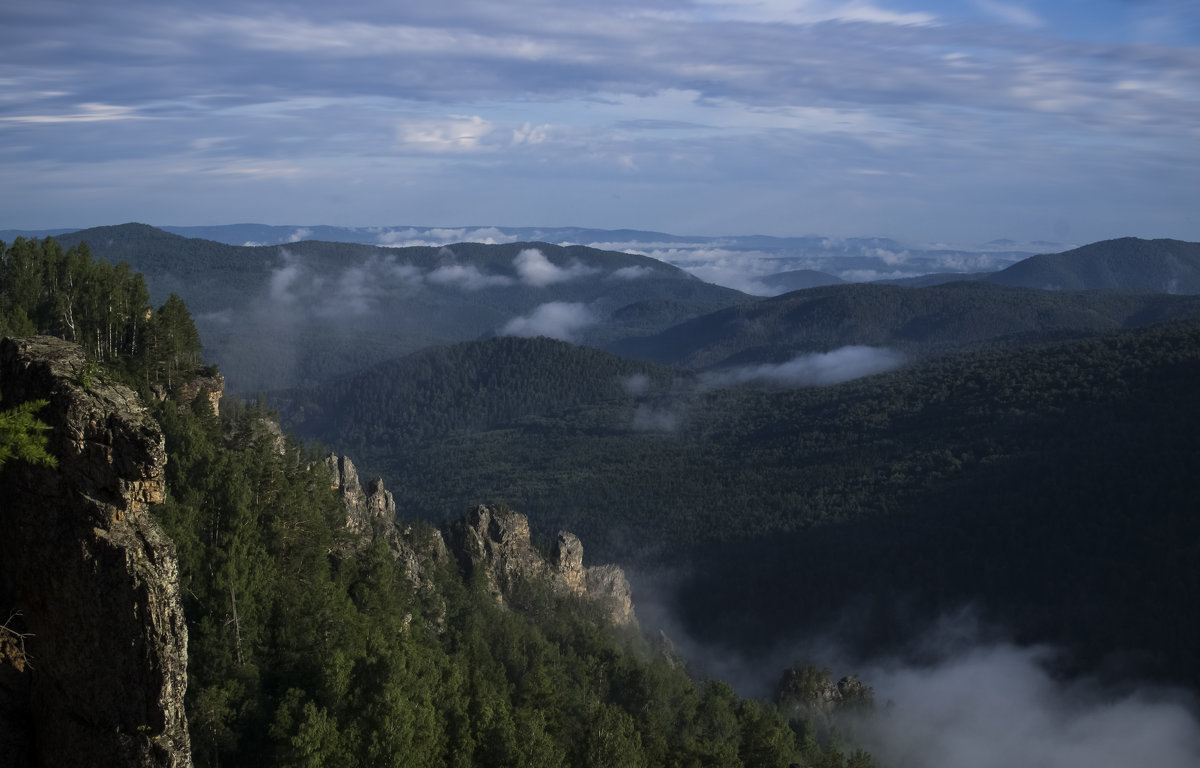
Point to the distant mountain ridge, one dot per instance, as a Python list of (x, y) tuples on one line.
[(915, 320), (1125, 264), (745, 262), (280, 316)]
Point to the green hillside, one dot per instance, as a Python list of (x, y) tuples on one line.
[(1051, 483), (312, 644), (463, 389)]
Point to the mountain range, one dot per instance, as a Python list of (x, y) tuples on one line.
[(858, 458), (296, 314)]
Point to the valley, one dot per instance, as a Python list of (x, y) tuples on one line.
[(854, 461)]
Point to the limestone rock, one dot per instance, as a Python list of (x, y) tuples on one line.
[(92, 575), (371, 512), (608, 585), (363, 506), (211, 386), (497, 540)]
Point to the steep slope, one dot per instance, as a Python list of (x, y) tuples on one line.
[(90, 577), (914, 320)]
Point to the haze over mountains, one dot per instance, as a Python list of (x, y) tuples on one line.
[(329, 307), (757, 264), (854, 458)]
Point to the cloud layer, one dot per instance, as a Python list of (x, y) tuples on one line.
[(917, 119)]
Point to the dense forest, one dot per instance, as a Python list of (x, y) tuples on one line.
[(926, 486), (312, 646)]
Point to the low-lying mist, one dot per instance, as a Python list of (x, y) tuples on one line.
[(959, 694), (810, 370)]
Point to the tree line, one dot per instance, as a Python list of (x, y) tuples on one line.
[(102, 307)]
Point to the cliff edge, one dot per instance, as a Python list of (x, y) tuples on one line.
[(95, 665)]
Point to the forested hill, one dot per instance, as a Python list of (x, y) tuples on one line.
[(915, 320), (1053, 484), (297, 314), (1127, 264), (1124, 264), (312, 640), (464, 389)]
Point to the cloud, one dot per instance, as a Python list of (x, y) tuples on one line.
[(86, 113), (649, 418), (458, 133), (634, 272), (810, 370), (467, 277), (301, 233), (284, 279), (636, 384), (557, 320), (741, 270), (403, 238), (994, 704), (530, 134), (354, 290), (535, 269), (763, 112), (811, 12)]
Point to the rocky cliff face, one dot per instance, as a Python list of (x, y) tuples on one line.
[(490, 538), (89, 579), (497, 541), (371, 512), (364, 506)]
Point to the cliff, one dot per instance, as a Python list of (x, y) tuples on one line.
[(497, 541), (93, 670), (490, 538)]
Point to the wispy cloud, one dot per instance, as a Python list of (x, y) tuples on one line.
[(84, 113), (557, 320), (535, 269), (457, 133), (810, 370), (467, 277), (779, 116), (635, 272), (442, 236)]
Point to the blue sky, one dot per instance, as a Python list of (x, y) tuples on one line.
[(928, 121)]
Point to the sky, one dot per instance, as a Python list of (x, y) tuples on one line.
[(925, 120)]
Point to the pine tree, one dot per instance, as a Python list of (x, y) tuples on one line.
[(22, 435)]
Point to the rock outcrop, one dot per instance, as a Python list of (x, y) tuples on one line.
[(211, 386), (497, 540), (88, 578), (371, 513), (364, 506)]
